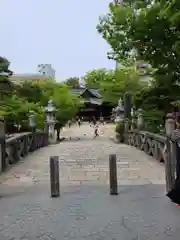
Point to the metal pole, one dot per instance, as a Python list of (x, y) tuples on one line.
[(54, 176), (113, 175)]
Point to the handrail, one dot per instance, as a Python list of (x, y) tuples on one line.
[(19, 145)]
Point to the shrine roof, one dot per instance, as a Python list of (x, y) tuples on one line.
[(94, 101), (92, 91)]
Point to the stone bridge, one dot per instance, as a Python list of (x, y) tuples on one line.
[(85, 210)]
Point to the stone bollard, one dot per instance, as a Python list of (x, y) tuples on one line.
[(170, 159), (54, 176), (113, 175)]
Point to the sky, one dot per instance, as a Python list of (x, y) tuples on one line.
[(62, 33)]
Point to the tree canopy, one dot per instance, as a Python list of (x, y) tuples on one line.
[(149, 31), (73, 82), (5, 84), (145, 30), (94, 78), (34, 96)]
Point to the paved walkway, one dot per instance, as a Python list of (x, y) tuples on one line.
[(85, 209)]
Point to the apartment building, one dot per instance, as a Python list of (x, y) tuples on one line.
[(46, 70)]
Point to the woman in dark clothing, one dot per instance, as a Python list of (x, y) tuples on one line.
[(174, 193)]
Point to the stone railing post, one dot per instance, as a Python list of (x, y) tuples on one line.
[(133, 119), (2, 146), (170, 159), (140, 120)]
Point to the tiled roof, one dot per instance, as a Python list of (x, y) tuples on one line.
[(77, 90), (94, 92), (95, 101)]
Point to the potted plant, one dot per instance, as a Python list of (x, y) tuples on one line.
[(120, 129)]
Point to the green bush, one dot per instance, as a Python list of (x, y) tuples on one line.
[(120, 128), (153, 120)]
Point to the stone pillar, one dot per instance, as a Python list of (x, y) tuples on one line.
[(170, 158), (2, 146), (32, 125), (126, 125), (133, 120), (32, 122), (127, 105)]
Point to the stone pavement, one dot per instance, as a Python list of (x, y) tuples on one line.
[(85, 209)]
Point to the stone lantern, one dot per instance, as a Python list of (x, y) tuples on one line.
[(119, 111), (32, 122), (50, 121)]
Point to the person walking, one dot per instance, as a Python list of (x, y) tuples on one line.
[(79, 122), (174, 193), (96, 131)]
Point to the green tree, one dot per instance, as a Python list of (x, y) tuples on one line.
[(118, 82), (135, 31), (148, 31), (16, 110), (32, 92), (94, 78), (6, 87), (34, 96), (73, 82), (67, 105)]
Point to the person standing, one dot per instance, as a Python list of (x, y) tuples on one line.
[(94, 121), (174, 193), (69, 123)]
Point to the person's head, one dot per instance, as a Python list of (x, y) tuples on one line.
[(177, 124)]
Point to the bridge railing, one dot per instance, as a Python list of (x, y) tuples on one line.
[(158, 146), (152, 144), (19, 145)]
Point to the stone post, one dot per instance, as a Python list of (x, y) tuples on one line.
[(54, 176), (2, 146), (113, 175), (170, 159)]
